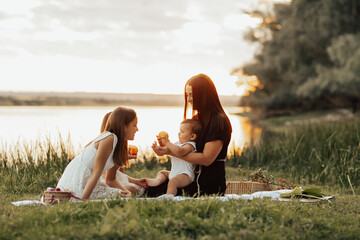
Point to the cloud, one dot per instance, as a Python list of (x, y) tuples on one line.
[(186, 36)]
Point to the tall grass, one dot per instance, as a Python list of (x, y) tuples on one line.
[(326, 153), (28, 167), (320, 154), (31, 167)]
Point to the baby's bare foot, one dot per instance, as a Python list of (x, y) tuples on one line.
[(153, 182)]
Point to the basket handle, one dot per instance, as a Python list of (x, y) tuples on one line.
[(56, 201)]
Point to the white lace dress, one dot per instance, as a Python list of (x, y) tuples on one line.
[(77, 172)]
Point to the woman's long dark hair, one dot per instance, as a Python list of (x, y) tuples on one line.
[(118, 119), (207, 104)]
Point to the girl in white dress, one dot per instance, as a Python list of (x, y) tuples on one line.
[(104, 154), (134, 185)]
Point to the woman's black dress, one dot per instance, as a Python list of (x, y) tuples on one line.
[(208, 179)]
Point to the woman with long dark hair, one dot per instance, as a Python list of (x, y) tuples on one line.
[(212, 145)]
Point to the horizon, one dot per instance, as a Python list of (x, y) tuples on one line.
[(127, 47), (80, 92)]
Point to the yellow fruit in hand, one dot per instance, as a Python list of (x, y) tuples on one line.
[(133, 150), (160, 136)]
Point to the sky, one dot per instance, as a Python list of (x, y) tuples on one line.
[(137, 46)]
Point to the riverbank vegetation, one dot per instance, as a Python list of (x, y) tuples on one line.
[(325, 155)]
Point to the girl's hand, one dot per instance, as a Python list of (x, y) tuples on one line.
[(142, 182), (160, 151), (132, 156), (125, 193)]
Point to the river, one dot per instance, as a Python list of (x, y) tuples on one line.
[(81, 124)]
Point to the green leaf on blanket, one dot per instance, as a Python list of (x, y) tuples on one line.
[(316, 192), (295, 192), (307, 193)]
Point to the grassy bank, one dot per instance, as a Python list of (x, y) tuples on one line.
[(191, 219), (318, 153), (312, 154)]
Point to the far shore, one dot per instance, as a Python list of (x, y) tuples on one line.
[(99, 99)]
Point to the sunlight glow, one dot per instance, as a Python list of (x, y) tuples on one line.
[(240, 21), (246, 83)]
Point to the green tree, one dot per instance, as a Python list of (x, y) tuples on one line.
[(294, 42), (341, 81)]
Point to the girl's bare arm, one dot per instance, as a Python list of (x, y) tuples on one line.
[(110, 179), (104, 149)]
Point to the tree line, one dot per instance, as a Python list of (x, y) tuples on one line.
[(308, 56)]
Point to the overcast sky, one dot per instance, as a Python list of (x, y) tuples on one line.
[(130, 46)]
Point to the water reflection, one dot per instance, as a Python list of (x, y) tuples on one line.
[(244, 132), (30, 124)]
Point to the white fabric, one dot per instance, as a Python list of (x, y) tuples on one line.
[(179, 166), (273, 195), (123, 180), (28, 202), (78, 171)]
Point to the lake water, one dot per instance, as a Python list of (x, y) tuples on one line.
[(82, 124)]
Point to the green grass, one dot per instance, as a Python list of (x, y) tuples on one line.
[(190, 219), (325, 155), (319, 153)]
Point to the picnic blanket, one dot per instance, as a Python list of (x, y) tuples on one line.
[(273, 195)]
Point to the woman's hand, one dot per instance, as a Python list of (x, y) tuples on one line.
[(132, 156), (160, 151)]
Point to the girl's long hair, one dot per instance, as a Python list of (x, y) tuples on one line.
[(104, 121), (118, 119), (207, 104)]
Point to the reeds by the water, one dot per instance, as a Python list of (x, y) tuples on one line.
[(30, 167), (322, 154)]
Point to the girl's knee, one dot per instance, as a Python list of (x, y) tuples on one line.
[(132, 189)]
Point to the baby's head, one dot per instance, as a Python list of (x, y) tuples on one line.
[(190, 129)]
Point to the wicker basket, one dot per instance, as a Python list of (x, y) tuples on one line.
[(56, 197), (240, 187)]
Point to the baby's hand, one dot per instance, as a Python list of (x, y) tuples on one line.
[(164, 141)]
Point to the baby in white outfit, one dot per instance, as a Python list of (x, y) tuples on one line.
[(182, 172)]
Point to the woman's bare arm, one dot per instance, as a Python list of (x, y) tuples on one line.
[(207, 157)]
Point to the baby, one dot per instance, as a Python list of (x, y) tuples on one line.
[(181, 173)]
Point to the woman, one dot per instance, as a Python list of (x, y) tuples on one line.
[(105, 153), (200, 92)]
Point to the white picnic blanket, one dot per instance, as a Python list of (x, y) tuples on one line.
[(274, 195)]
